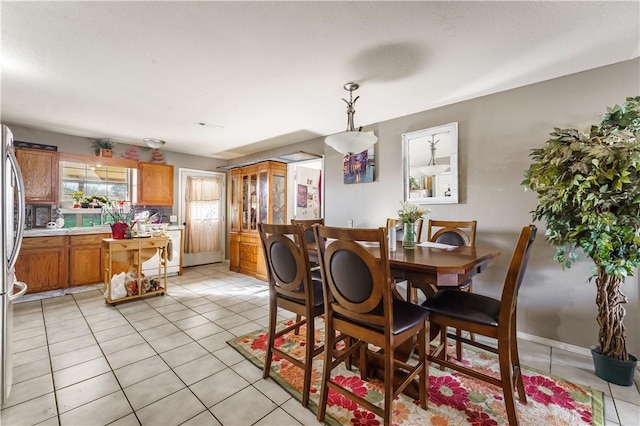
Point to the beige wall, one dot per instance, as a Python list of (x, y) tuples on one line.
[(496, 134)]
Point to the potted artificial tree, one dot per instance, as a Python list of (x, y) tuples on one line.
[(103, 147), (588, 186)]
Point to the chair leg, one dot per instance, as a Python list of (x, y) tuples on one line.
[(273, 314), (362, 364), (443, 343), (423, 381), (506, 376), (515, 360), (472, 336), (298, 319), (388, 387), (308, 360), (329, 343), (458, 344)]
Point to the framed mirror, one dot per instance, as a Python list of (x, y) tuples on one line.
[(430, 170)]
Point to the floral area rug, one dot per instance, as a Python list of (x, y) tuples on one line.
[(454, 399)]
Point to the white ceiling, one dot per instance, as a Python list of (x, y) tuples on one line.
[(271, 73)]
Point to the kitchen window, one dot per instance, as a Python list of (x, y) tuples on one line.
[(114, 182)]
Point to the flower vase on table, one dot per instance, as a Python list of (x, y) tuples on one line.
[(409, 235), (409, 214)]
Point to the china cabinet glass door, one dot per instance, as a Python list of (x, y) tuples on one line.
[(278, 198), (234, 212)]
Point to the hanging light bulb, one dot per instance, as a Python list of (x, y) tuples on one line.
[(351, 141)]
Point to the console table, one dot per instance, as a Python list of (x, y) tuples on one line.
[(127, 256)]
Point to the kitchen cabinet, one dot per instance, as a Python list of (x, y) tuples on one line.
[(43, 263), (85, 259), (258, 195), (155, 184), (129, 255), (40, 173)]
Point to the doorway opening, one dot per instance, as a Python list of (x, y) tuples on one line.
[(201, 211), (306, 194)]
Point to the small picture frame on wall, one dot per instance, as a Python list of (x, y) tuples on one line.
[(360, 167), (42, 216)]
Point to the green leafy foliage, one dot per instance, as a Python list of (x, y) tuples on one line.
[(588, 186)]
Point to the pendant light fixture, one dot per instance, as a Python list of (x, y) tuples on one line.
[(432, 168), (154, 143), (351, 141)]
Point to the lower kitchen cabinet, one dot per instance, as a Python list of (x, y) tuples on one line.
[(43, 263), (247, 256), (86, 265)]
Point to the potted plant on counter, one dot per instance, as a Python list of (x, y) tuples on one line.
[(588, 186), (78, 197)]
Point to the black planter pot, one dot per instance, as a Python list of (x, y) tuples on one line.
[(613, 370)]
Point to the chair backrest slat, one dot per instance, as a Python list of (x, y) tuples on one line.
[(515, 273), (307, 226), (356, 281), (287, 261), (453, 232)]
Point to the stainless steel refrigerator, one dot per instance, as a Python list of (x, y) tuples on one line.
[(12, 216)]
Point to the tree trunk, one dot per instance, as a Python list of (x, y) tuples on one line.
[(610, 301)]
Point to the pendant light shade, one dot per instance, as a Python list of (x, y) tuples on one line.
[(351, 141), (432, 168), (154, 143)]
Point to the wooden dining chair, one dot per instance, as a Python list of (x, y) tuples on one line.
[(292, 288), (307, 226), (359, 303), (488, 317), (455, 233), (310, 240)]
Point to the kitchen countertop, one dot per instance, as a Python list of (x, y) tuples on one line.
[(104, 229)]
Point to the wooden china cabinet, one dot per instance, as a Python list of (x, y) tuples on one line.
[(258, 195)]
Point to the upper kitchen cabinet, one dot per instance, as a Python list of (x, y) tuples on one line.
[(40, 172), (155, 184)]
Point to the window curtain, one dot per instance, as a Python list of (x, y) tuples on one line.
[(202, 230)]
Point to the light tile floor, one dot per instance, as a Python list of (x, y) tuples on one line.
[(164, 360)]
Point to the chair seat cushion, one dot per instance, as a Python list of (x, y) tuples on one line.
[(465, 306), (318, 299), (405, 316)]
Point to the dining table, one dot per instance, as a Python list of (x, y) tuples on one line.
[(431, 266)]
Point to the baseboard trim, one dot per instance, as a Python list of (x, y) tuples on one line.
[(555, 344), (559, 345)]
